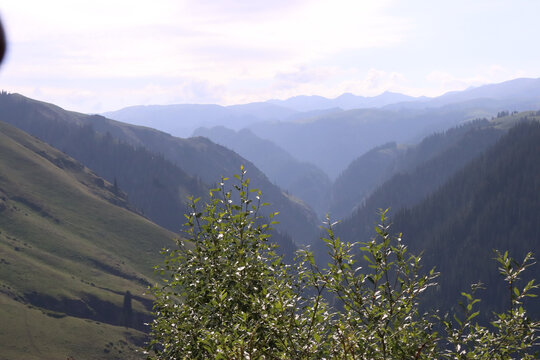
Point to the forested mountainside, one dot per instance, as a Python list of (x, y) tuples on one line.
[(199, 158), (334, 140), (371, 170), (455, 196), (491, 203), (361, 177), (303, 180), (425, 168), (158, 188), (75, 261)]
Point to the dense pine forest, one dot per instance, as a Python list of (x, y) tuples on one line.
[(492, 203)]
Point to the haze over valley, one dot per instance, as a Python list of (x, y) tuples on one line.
[(111, 128)]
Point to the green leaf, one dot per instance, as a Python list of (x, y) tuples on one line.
[(468, 296), (473, 315), (457, 320)]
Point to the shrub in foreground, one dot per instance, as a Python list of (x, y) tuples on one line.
[(227, 295)]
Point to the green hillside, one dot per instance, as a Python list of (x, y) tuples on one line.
[(70, 250), (143, 162)]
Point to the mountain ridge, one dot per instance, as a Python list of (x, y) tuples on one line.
[(524, 89), (71, 248), (242, 115), (489, 201), (345, 101), (304, 180), (200, 158)]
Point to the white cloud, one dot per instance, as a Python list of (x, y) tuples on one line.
[(231, 51), (207, 48), (205, 39), (304, 75)]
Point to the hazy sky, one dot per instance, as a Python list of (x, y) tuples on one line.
[(100, 55)]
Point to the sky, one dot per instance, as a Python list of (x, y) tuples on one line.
[(103, 55)]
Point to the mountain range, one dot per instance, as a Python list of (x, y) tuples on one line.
[(84, 216), (182, 119), (427, 165), (478, 193), (304, 180), (189, 164), (330, 133), (346, 101)]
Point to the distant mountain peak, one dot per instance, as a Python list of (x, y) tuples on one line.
[(345, 101), (346, 95)]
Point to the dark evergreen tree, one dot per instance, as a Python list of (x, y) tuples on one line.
[(127, 310)]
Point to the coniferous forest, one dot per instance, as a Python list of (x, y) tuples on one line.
[(443, 193), (221, 192)]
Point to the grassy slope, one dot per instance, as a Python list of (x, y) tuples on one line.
[(29, 333), (507, 122), (201, 160), (61, 236)]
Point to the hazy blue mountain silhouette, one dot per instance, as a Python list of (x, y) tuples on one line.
[(520, 94), (303, 180), (346, 101), (182, 119)]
